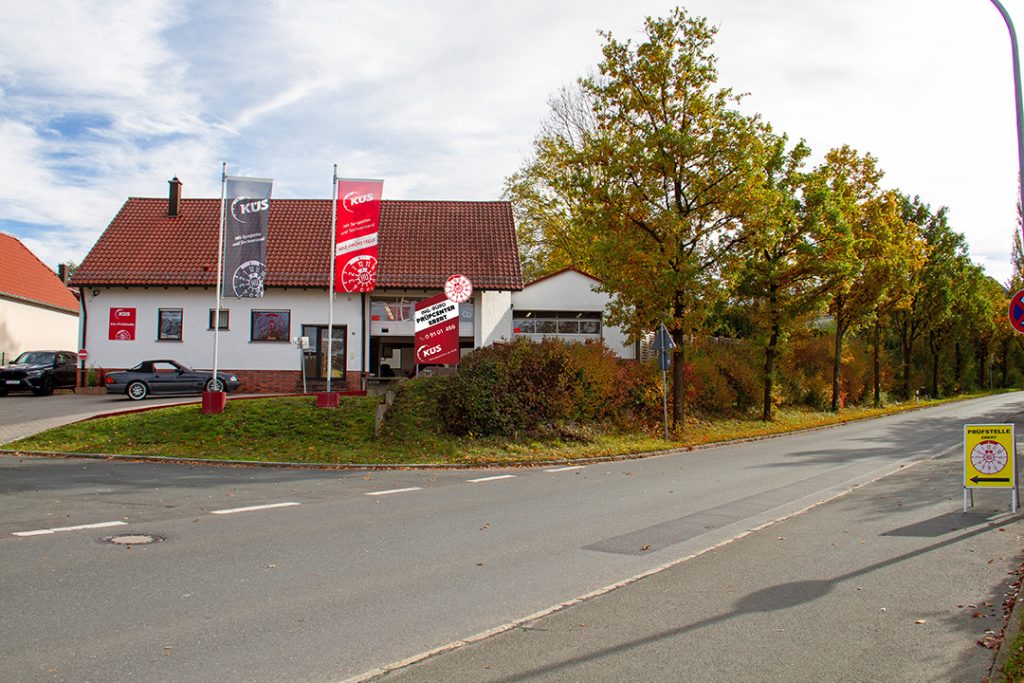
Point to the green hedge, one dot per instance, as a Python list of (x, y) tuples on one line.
[(524, 387)]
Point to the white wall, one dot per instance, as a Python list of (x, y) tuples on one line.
[(571, 290), (494, 318), (236, 351), (25, 327)]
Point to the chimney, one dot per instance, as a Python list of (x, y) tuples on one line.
[(62, 272), (174, 198)]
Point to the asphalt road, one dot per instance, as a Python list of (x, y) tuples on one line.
[(352, 571)]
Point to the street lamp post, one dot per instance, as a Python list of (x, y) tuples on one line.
[(1017, 96)]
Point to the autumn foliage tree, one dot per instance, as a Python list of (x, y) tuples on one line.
[(648, 168)]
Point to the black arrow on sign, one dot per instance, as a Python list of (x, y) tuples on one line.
[(977, 480)]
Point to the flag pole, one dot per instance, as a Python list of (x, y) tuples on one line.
[(330, 286), (220, 268)]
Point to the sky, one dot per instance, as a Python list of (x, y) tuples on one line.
[(101, 100)]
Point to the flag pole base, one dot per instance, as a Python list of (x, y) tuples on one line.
[(213, 402), (327, 399)]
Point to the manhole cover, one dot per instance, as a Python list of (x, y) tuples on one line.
[(132, 539)]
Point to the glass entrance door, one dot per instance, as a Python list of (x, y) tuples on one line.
[(316, 360)]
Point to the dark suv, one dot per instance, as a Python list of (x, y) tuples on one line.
[(40, 371)]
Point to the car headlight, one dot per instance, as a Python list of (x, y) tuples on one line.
[(232, 378), (33, 373)]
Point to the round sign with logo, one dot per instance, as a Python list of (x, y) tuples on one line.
[(1016, 312), (458, 288)]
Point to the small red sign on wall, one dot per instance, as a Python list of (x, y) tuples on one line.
[(122, 324)]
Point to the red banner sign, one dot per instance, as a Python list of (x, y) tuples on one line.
[(122, 324), (437, 331), (355, 235)]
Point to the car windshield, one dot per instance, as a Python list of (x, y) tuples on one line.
[(160, 366), (34, 358)]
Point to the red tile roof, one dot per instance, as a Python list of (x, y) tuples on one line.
[(422, 243), (25, 277)]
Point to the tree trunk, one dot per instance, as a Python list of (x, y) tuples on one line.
[(769, 373), (837, 360), (907, 347), (935, 365), (958, 369), (1004, 364), (877, 369), (679, 380), (982, 365)]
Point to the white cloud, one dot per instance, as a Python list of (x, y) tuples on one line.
[(442, 99)]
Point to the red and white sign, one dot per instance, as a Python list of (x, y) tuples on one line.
[(355, 235), (458, 288), (437, 331), (1016, 313), (82, 354), (122, 324)]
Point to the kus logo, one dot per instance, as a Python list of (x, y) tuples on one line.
[(124, 313), (354, 199), (246, 206)]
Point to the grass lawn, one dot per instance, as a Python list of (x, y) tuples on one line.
[(293, 429)]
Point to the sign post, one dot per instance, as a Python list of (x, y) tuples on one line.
[(990, 460), (663, 345)]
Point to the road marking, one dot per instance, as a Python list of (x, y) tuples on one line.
[(495, 478), (384, 493), (252, 508), (565, 469), (79, 527)]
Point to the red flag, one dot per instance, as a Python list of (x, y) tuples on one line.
[(355, 235)]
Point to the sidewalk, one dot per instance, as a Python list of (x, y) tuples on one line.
[(890, 582), (22, 414)]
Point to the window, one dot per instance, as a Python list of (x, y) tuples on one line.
[(391, 310), (169, 328), (569, 324), (223, 318), (271, 326)]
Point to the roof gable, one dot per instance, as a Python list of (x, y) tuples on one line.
[(23, 276), (422, 243)]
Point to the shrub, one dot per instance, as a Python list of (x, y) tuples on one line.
[(529, 387)]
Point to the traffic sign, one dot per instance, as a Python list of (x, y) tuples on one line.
[(663, 340), (82, 354), (1016, 313), (989, 456)]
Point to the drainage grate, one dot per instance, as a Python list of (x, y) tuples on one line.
[(132, 539)]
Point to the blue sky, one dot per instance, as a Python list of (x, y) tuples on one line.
[(102, 100)]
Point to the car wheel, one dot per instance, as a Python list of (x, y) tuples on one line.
[(137, 391), (46, 388), (215, 385), (3, 391)]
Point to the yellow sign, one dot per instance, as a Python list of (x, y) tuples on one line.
[(989, 456)]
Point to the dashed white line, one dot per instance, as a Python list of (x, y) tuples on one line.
[(565, 469), (79, 527), (384, 493), (494, 478), (251, 508)]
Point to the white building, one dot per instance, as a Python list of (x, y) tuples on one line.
[(567, 305), (148, 291), (37, 310)]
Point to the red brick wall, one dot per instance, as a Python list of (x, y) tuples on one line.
[(283, 381), (288, 382)]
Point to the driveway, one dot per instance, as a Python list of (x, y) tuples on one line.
[(22, 414)]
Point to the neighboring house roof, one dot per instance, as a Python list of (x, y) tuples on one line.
[(422, 243), (567, 269), (23, 276)]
